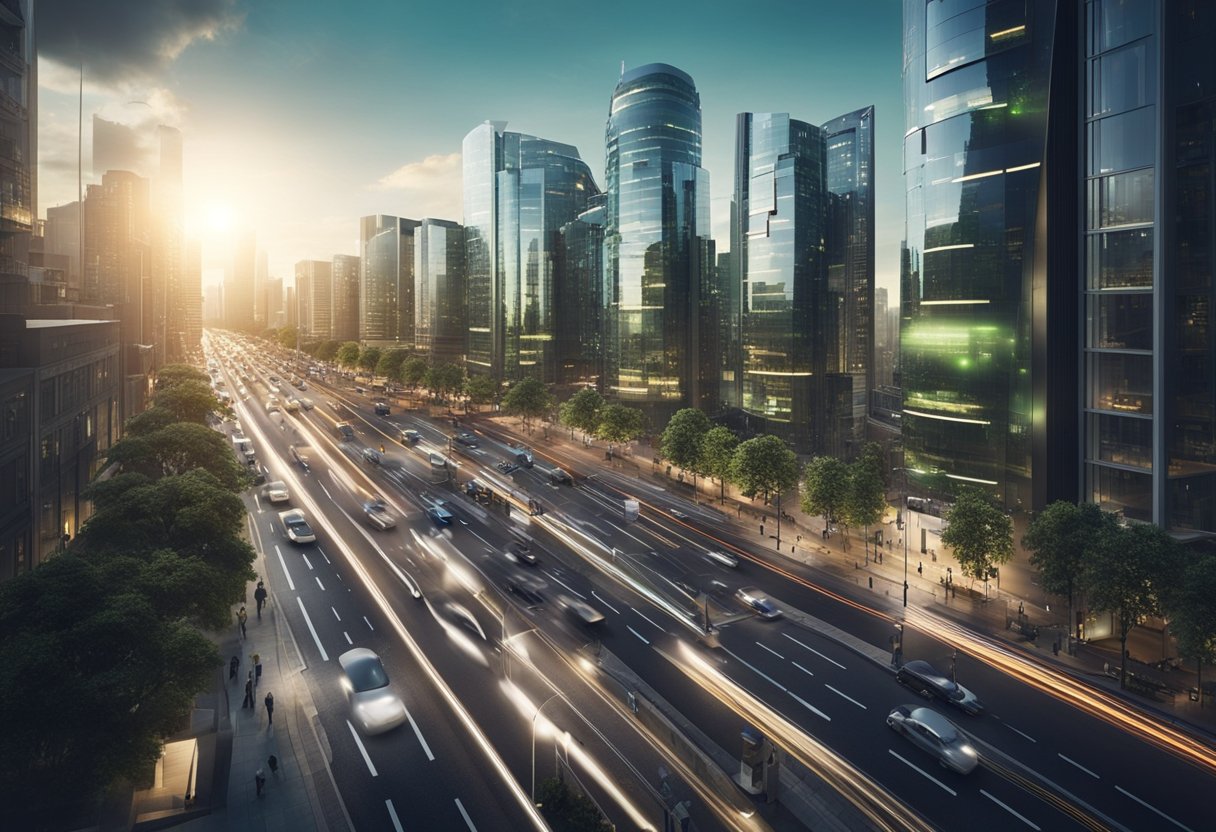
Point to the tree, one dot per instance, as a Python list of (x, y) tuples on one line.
[(528, 399), (369, 357), (348, 354), (682, 438), (189, 401), (177, 449), (287, 337), (450, 378), (567, 810), (1193, 614), (1059, 540), (620, 423), (825, 486), (412, 372), (865, 498), (148, 421), (717, 451), (980, 534), (582, 411), (1125, 574), (764, 466), (172, 374), (480, 389), (390, 363), (92, 680), (328, 350)]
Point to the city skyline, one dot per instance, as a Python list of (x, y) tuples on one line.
[(405, 160)]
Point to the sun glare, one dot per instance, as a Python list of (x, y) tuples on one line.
[(219, 217)]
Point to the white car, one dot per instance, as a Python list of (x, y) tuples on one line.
[(296, 527), (276, 492), (378, 515), (937, 735), (724, 558), (374, 705)]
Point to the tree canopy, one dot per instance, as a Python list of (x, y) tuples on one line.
[(825, 487), (528, 399), (369, 357), (764, 466), (328, 350), (176, 449), (980, 534), (620, 423), (172, 374), (412, 372), (348, 354), (582, 410), (1061, 539), (717, 452), (480, 388), (681, 439)]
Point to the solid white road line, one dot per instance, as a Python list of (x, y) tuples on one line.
[(468, 820), (921, 771), (1152, 808), (648, 618), (1022, 733), (846, 696), (566, 585), (336, 614), (803, 669), (756, 670), (327, 560), (368, 623), (769, 649), (307, 561), (605, 603), (290, 583), (809, 706), (258, 503), (1011, 810), (1078, 765), (636, 633), (312, 629), (418, 734), (392, 813), (362, 750), (326, 490), (318, 579), (348, 641), (813, 650)]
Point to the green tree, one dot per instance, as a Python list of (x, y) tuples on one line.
[(567, 810), (189, 401), (1059, 539), (1193, 614), (147, 422), (413, 372), (764, 466), (390, 363), (177, 449), (681, 439), (620, 423), (287, 337), (369, 357), (450, 378), (980, 534), (582, 411), (527, 399), (717, 452), (172, 374), (825, 487), (348, 354), (328, 350), (92, 680), (865, 498), (1125, 575), (480, 389)]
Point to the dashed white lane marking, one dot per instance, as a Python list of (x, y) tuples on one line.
[(769, 649), (327, 560), (258, 503), (468, 820), (1152, 808), (392, 813), (307, 561), (290, 583), (368, 623), (755, 669), (348, 641), (803, 669), (813, 650), (1021, 733), (362, 750), (636, 633), (1071, 761), (312, 629), (809, 706), (605, 603), (922, 772), (336, 614), (318, 579), (1011, 810), (846, 696), (326, 490), (566, 585), (418, 734), (648, 618)]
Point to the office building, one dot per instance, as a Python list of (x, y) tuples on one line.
[(580, 297), (239, 284), (213, 304), (656, 222), (261, 275), (314, 290), (19, 148), (439, 293), (386, 280), (519, 191), (275, 303), (117, 146), (61, 236), (344, 315), (191, 299), (169, 249)]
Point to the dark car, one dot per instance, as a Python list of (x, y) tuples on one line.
[(409, 436), (439, 515), (519, 552), (925, 679), (529, 589), (467, 439), (382, 408), (345, 431), (507, 467), (557, 475), (758, 602)]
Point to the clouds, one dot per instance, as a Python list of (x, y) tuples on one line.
[(128, 41), (431, 188)]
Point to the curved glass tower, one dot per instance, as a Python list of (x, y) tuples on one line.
[(657, 207)]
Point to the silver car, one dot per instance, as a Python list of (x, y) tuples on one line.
[(724, 558), (375, 706), (934, 733), (276, 492)]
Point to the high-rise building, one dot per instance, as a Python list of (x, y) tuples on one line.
[(19, 147), (261, 275), (344, 315), (580, 297), (291, 308), (168, 247), (62, 236), (213, 302), (519, 191), (117, 146), (439, 295), (275, 303), (191, 301), (386, 280), (656, 223), (314, 288), (788, 317), (239, 284)]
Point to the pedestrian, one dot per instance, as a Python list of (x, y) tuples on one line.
[(257, 670), (269, 700), (273, 762), (233, 666), (920, 567), (241, 618), (259, 595), (259, 781), (248, 703)]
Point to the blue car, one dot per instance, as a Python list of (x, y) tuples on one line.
[(440, 515)]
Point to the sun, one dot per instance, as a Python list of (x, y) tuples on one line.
[(219, 217)]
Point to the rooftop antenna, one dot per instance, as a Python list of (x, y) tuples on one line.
[(622, 69)]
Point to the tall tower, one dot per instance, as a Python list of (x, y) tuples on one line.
[(656, 220), (386, 280), (19, 148), (345, 313), (439, 294), (239, 284)]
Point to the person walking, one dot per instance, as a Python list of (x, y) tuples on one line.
[(259, 781), (248, 703), (259, 595), (257, 670), (233, 666), (241, 618), (269, 700), (273, 762)]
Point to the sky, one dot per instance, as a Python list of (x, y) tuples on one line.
[(299, 116)]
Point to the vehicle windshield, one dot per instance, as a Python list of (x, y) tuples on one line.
[(367, 674)]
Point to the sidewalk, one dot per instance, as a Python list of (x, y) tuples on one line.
[(1015, 599)]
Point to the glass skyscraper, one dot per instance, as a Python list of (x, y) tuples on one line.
[(386, 280), (657, 255), (580, 296), (345, 307), (519, 191), (439, 295)]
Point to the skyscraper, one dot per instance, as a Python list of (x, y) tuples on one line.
[(788, 323), (519, 191), (656, 219), (19, 151), (386, 280), (191, 299), (580, 297), (439, 295), (168, 243), (116, 146), (261, 274), (345, 313), (314, 288), (239, 284)]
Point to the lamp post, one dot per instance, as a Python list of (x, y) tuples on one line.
[(903, 509), (534, 716)]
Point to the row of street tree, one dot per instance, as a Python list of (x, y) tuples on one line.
[(103, 648)]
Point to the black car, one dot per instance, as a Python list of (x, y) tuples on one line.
[(925, 679), (507, 467), (467, 439), (382, 408), (527, 588)]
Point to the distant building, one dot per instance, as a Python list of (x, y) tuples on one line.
[(344, 315), (261, 274), (169, 250), (439, 293), (386, 280), (239, 285), (277, 316), (116, 146), (213, 304), (191, 300), (62, 236), (315, 286)]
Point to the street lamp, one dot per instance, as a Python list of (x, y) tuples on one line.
[(534, 716), (903, 509)]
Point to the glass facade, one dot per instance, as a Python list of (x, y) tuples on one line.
[(439, 299), (315, 289), (656, 224), (344, 315), (386, 280), (580, 296)]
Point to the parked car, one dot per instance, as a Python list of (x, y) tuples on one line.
[(276, 492), (758, 602), (378, 515), (296, 527), (375, 705), (928, 681), (932, 732)]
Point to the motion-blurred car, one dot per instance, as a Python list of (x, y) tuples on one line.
[(529, 589), (928, 681), (409, 436), (724, 558), (371, 456), (507, 467), (345, 431), (679, 515), (467, 439), (758, 602), (580, 611), (381, 408), (374, 704), (439, 515), (296, 527), (378, 515), (306, 404), (932, 732), (519, 552), (276, 492), (557, 475)]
